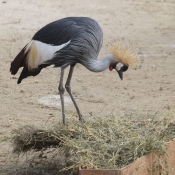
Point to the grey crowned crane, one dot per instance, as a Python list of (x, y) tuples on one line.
[(66, 42)]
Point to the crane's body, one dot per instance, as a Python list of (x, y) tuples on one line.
[(64, 43), (61, 43)]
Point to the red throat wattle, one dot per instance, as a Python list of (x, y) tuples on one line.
[(110, 68)]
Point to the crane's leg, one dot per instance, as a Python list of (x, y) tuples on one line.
[(61, 91), (68, 88)]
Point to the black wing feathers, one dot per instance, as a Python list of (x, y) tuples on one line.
[(26, 73), (55, 33), (18, 62)]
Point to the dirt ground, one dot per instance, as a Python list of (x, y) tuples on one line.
[(146, 90)]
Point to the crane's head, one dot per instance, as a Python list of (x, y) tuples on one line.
[(119, 67), (123, 55)]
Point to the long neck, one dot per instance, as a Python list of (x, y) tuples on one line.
[(95, 65)]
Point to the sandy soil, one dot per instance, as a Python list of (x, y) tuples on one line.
[(149, 89)]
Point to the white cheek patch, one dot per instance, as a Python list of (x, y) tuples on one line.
[(119, 66)]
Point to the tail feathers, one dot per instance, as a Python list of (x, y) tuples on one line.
[(26, 73), (19, 61)]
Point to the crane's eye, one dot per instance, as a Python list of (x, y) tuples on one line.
[(113, 66)]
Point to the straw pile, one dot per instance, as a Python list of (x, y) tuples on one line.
[(101, 142)]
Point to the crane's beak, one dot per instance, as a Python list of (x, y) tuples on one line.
[(120, 69), (120, 73)]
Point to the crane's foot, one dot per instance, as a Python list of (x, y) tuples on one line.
[(81, 119)]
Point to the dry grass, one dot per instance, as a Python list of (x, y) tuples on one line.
[(108, 142)]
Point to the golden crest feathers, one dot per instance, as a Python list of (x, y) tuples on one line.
[(124, 52)]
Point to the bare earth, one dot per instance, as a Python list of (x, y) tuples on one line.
[(148, 89)]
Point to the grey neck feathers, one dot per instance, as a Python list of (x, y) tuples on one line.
[(95, 65)]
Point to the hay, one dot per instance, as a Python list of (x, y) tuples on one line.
[(28, 137), (101, 142)]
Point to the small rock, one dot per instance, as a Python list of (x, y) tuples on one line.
[(160, 88)]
